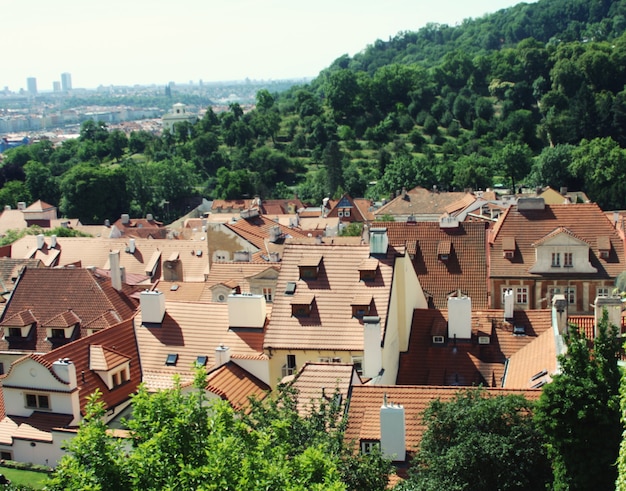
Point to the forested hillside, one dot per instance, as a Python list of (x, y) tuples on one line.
[(530, 95)]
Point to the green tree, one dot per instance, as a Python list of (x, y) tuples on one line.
[(13, 192), (480, 442), (514, 160), (579, 411)]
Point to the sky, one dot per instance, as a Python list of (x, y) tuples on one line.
[(128, 42)]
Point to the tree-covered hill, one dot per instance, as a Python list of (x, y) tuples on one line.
[(530, 95)]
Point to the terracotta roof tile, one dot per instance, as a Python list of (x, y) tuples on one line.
[(466, 362), (465, 269), (236, 385), (585, 221), (419, 201), (366, 400), (533, 365), (330, 324), (190, 330)]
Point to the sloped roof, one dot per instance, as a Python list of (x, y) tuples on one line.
[(256, 230), (419, 201), (94, 251), (189, 330), (236, 385), (35, 428), (330, 324), (10, 268), (466, 363), (526, 366), (60, 297), (366, 400), (585, 221), (323, 380), (465, 269), (119, 342), (234, 274)]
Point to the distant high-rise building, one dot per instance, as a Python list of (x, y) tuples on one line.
[(66, 81), (56, 86), (31, 85)]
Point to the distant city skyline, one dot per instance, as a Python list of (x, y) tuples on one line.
[(146, 42)]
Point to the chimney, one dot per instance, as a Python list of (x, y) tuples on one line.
[(114, 264), (21, 205), (527, 204), (53, 241), (241, 257), (274, 257), (40, 241), (107, 223), (247, 310), (222, 355), (149, 217), (459, 318), (152, 305), (392, 431), (66, 371), (563, 190), (372, 350), (7, 207), (379, 241), (559, 312), (131, 246), (125, 219), (613, 306), (365, 235), (275, 233), (509, 303)]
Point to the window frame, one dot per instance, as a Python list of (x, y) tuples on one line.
[(521, 295), (556, 260), (568, 259), (33, 400)]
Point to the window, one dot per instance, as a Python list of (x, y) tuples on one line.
[(367, 274), (340, 213), (289, 368), (37, 401), (6, 456), (568, 259), (300, 310), (201, 360), (268, 294), (600, 292), (15, 332), (556, 259), (330, 359), (120, 377), (360, 310), (521, 295), (368, 446), (551, 292), (346, 213), (171, 360), (570, 295), (438, 339), (308, 273), (357, 361), (58, 333)]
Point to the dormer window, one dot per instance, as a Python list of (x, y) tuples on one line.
[(556, 259), (508, 247), (15, 332), (444, 249), (361, 305), (368, 269), (302, 305), (310, 267), (604, 247)]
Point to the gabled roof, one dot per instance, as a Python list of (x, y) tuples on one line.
[(10, 269), (236, 385), (117, 342), (534, 364), (555, 233), (585, 221), (465, 269), (59, 297), (330, 324), (421, 203), (94, 251), (189, 330), (236, 274), (467, 363)]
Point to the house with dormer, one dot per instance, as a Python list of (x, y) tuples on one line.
[(50, 308), (241, 277), (45, 395), (342, 303), (537, 251)]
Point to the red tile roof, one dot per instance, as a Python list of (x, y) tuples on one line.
[(330, 324), (465, 269), (466, 363), (585, 221), (236, 385), (60, 298), (366, 400), (419, 201), (256, 230)]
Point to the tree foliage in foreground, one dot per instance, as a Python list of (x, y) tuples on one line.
[(579, 411), (480, 442), (181, 440)]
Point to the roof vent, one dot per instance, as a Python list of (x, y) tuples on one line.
[(290, 289)]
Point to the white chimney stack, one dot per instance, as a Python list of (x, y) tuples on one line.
[(372, 350), (65, 370), (509, 304), (53, 241), (152, 305), (613, 306), (459, 318), (392, 431), (131, 246), (116, 273), (40, 241), (246, 310), (222, 355)]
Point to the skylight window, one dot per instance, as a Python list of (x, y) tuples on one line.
[(172, 359), (202, 360)]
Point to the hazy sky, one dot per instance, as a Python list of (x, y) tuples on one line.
[(126, 42)]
